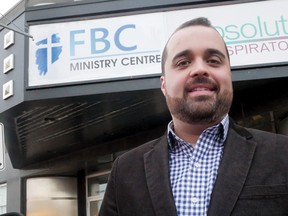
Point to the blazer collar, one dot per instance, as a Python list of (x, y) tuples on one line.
[(156, 164), (232, 173), (233, 170)]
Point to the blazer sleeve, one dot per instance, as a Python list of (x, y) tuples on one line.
[(109, 204)]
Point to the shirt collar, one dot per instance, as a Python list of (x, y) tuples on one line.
[(222, 126)]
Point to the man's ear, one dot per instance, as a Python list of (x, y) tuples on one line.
[(162, 80)]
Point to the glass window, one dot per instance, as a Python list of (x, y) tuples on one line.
[(34, 3), (53, 196), (3, 198), (96, 186)]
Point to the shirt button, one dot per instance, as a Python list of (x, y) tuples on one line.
[(194, 200), (197, 165)]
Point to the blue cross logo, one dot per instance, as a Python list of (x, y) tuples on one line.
[(48, 53)]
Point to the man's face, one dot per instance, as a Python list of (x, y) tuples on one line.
[(197, 82)]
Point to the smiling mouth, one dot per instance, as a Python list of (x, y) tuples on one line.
[(201, 86), (201, 89), (201, 92)]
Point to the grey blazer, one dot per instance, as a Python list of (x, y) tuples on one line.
[(252, 178)]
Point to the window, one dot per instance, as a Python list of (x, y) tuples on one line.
[(96, 186), (3, 198), (53, 196), (33, 3)]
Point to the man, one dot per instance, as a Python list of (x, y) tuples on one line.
[(204, 164)]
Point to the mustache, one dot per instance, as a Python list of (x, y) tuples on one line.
[(201, 80)]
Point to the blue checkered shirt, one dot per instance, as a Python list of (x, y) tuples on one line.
[(193, 171)]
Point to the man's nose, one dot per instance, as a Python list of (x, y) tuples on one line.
[(199, 68)]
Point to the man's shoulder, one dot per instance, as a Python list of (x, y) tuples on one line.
[(267, 135), (261, 136), (140, 150), (255, 133), (264, 141)]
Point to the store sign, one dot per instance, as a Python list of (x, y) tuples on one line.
[(101, 49), (131, 46)]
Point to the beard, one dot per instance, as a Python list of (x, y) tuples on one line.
[(201, 109)]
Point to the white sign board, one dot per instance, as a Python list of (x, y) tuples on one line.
[(131, 46), (95, 49)]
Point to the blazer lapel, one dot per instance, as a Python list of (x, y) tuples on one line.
[(232, 172), (156, 164)]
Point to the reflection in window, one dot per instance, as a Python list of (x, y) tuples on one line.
[(34, 3), (53, 196), (3, 198), (96, 186)]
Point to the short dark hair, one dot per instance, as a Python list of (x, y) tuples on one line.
[(200, 21)]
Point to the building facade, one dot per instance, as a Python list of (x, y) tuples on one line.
[(80, 86)]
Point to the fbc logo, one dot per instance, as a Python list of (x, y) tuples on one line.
[(99, 42), (47, 53)]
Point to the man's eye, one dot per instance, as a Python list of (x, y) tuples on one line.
[(183, 63), (214, 61)]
